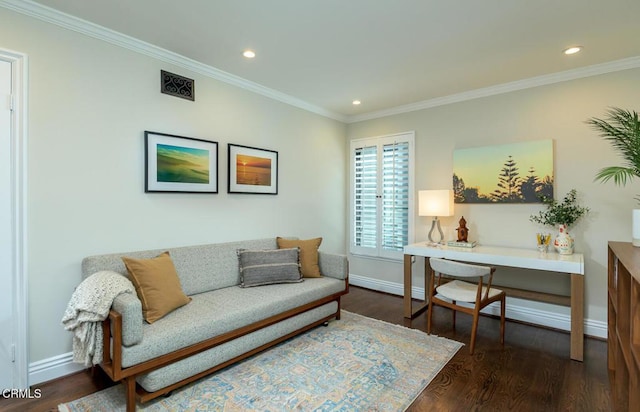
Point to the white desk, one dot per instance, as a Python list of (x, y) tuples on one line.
[(572, 265)]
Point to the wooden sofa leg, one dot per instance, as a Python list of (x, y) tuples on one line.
[(130, 392)]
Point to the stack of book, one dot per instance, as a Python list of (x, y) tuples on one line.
[(455, 243)]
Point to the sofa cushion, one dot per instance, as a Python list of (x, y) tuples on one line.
[(157, 285), (266, 267), (165, 376), (308, 254), (201, 268), (223, 310)]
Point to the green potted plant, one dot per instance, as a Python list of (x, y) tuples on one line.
[(562, 215), (622, 129)]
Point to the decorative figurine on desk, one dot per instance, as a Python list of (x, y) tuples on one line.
[(463, 231)]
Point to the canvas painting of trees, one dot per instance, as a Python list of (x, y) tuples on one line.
[(510, 173)]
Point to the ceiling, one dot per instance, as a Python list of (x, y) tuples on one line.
[(386, 53)]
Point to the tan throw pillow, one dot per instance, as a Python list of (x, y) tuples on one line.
[(157, 285), (308, 254)]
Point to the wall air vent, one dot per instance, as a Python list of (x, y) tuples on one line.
[(177, 86)]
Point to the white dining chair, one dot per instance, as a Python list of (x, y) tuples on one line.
[(446, 289)]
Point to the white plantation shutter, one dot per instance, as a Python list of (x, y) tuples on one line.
[(365, 199), (395, 196), (381, 195)]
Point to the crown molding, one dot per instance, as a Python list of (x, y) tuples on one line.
[(76, 24), (547, 79)]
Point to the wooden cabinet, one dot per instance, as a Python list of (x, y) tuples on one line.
[(624, 325)]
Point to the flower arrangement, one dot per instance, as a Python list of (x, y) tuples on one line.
[(565, 213)]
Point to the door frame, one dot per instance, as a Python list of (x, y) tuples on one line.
[(19, 72)]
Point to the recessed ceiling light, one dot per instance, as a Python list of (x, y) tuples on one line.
[(356, 102), (249, 54), (572, 50)]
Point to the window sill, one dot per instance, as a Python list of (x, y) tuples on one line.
[(378, 258)]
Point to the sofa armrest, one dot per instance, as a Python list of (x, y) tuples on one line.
[(130, 307), (332, 265)]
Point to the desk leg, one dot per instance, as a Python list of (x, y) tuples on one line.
[(577, 317), (409, 312), (427, 278), (407, 286)]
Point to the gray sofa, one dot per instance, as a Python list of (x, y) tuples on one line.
[(223, 323)]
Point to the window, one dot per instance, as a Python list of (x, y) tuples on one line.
[(382, 195)]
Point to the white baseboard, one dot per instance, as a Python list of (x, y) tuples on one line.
[(53, 368), (61, 365), (514, 310)]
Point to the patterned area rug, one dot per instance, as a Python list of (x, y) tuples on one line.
[(355, 364)]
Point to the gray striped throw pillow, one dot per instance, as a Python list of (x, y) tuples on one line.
[(266, 267)]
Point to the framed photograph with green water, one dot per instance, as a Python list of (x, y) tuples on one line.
[(252, 170), (519, 172), (180, 164)]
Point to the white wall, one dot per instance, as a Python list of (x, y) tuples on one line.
[(90, 103), (555, 112)]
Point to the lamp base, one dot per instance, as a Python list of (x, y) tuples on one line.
[(435, 224)]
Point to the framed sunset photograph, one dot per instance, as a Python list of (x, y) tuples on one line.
[(509, 173), (180, 164), (252, 170)]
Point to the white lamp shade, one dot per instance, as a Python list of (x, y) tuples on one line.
[(435, 203)]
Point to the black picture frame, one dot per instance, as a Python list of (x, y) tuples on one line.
[(252, 170), (180, 164)]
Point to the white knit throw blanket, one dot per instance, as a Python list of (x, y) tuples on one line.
[(88, 307)]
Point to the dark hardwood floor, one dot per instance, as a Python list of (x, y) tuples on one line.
[(532, 372)]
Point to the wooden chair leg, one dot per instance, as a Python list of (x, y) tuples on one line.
[(474, 329), (130, 392), (453, 315), (430, 307), (502, 318), (429, 313)]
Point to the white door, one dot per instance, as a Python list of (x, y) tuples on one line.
[(7, 271)]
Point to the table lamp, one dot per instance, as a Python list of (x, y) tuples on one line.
[(435, 203)]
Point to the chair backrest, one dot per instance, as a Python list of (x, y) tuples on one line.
[(451, 268)]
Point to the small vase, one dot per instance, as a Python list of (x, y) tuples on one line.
[(563, 242)]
